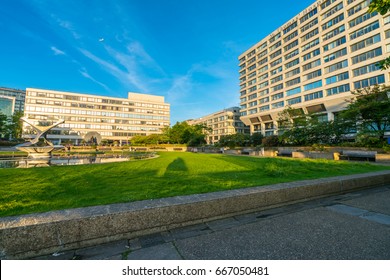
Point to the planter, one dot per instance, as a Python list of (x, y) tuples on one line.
[(385, 158)]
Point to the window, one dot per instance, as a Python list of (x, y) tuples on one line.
[(295, 100), (264, 60), (332, 22), (309, 25), (313, 85), (311, 44), (291, 54), (332, 11), (335, 55), (277, 87), (264, 108), (291, 45), (274, 38), (293, 91), (264, 84), (336, 66), (361, 19), (251, 82), (335, 44), (277, 96), (369, 82), (263, 69), (263, 77), (337, 78), (276, 79), (311, 54), (252, 111), (358, 7), (276, 62), (337, 90), (264, 92), (293, 82), (253, 96), (291, 36), (262, 47), (326, 4), (277, 105), (386, 20), (292, 63), (251, 75), (277, 70), (275, 54), (333, 33), (263, 53), (310, 65), (367, 55), (290, 27), (308, 15), (309, 35), (277, 45), (312, 75), (366, 42), (252, 104), (293, 72), (252, 67), (264, 100), (314, 95), (366, 69), (364, 30)]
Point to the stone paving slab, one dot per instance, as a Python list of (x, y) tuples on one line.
[(376, 202)]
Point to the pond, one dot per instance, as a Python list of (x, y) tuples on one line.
[(24, 162)]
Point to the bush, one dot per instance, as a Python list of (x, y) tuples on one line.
[(270, 141)]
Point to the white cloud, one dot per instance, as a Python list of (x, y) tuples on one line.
[(57, 51), (85, 74)]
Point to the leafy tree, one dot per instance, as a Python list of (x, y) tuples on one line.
[(256, 139), (382, 7), (369, 109), (298, 128), (15, 125), (234, 140), (3, 124), (183, 133)]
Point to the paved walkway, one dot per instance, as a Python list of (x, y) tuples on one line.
[(351, 226)]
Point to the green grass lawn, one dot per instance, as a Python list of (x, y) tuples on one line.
[(60, 187)]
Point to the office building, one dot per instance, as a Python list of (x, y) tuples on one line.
[(224, 122), (107, 118), (7, 105), (18, 94), (313, 62)]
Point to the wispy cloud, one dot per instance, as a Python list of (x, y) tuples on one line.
[(85, 74), (57, 51), (68, 26)]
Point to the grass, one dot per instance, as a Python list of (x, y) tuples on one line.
[(32, 190)]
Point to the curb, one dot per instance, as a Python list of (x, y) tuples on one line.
[(32, 235)]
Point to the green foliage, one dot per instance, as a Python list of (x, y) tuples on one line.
[(380, 6), (270, 141), (369, 108), (299, 129), (3, 125), (234, 140), (172, 174)]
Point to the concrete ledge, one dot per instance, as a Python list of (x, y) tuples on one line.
[(38, 234)]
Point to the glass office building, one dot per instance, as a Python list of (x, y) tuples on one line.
[(313, 62)]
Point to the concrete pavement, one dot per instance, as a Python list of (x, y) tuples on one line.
[(351, 226)]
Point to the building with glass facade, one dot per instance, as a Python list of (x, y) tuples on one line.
[(109, 118), (224, 122), (313, 62), (18, 94), (7, 105)]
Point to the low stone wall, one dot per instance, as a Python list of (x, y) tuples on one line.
[(382, 158), (38, 234), (316, 155)]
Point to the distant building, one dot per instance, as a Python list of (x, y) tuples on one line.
[(313, 62), (94, 116), (7, 105), (224, 122), (20, 97)]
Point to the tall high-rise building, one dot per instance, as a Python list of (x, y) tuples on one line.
[(18, 94), (110, 118), (313, 62), (221, 123), (7, 105)]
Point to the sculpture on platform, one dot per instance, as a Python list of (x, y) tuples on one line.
[(35, 147)]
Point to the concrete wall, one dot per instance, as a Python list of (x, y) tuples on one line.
[(38, 234)]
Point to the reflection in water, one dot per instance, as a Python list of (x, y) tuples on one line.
[(27, 162)]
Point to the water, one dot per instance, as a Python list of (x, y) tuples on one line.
[(71, 160)]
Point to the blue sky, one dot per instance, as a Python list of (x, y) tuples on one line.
[(185, 50)]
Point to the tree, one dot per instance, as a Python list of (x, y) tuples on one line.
[(183, 133), (3, 125), (234, 140), (15, 125), (382, 7), (369, 109)]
